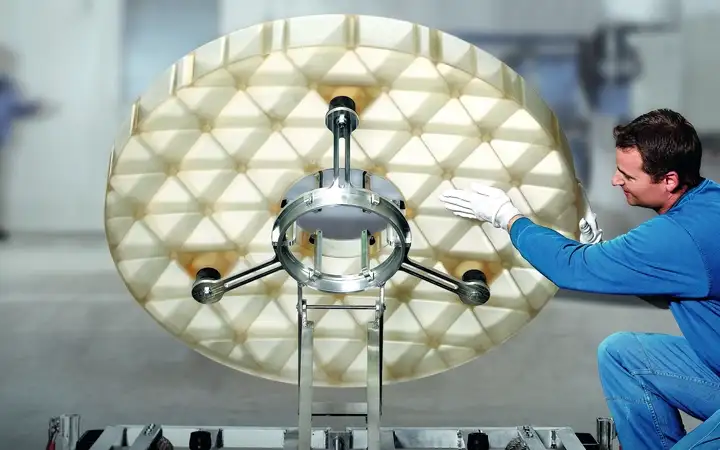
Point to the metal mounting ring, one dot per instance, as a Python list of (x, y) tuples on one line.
[(328, 198)]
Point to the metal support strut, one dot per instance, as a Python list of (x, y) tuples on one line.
[(371, 409), (341, 120)]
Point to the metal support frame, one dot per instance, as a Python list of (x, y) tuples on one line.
[(371, 409)]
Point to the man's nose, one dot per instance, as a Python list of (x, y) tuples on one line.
[(616, 180)]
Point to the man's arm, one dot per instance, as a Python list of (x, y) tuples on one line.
[(656, 258)]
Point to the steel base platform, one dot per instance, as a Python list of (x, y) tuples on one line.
[(161, 437)]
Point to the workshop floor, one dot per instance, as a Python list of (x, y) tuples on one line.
[(73, 341)]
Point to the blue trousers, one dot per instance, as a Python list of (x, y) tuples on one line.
[(647, 379)]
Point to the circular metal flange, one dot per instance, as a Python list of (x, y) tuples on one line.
[(342, 227), (335, 196)]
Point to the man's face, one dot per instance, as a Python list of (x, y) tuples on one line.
[(638, 186)]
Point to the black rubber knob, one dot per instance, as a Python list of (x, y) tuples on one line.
[(342, 101), (200, 440), (478, 441), (208, 273), (474, 275)]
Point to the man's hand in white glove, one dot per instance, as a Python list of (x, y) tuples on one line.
[(485, 203), (590, 232)]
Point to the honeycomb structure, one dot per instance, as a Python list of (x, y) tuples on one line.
[(209, 151)]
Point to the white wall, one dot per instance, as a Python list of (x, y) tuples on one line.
[(641, 12), (68, 58), (680, 69), (680, 72), (508, 16), (659, 83), (701, 62)]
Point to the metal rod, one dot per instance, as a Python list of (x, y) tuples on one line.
[(305, 374), (341, 130), (69, 431), (606, 433), (364, 252), (391, 236), (347, 158), (207, 290), (237, 280), (380, 319), (374, 373), (336, 151), (430, 275), (318, 251), (367, 180), (343, 409), (345, 307), (341, 119), (472, 292)]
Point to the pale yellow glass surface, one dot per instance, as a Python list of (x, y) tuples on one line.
[(208, 152)]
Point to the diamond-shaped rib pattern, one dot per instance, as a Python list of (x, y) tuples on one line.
[(209, 151)]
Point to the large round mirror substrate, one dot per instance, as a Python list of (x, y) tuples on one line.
[(214, 151)]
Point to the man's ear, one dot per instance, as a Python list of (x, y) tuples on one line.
[(671, 180)]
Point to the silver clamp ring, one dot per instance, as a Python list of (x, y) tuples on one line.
[(341, 197)]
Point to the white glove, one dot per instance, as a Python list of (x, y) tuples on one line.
[(485, 203), (590, 232)]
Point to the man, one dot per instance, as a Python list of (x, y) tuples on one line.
[(646, 378), (12, 108)]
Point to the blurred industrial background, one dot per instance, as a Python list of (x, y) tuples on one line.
[(73, 340)]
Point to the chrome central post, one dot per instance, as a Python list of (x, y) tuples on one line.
[(341, 119)]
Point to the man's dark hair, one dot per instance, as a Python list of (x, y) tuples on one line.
[(667, 142)]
